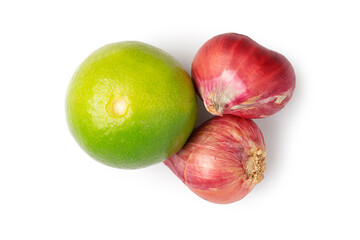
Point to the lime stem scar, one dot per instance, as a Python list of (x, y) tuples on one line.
[(118, 107)]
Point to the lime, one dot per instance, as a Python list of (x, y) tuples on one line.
[(131, 105)]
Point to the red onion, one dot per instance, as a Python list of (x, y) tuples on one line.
[(235, 75), (223, 159)]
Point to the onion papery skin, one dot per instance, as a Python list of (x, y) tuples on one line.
[(235, 75), (223, 159)]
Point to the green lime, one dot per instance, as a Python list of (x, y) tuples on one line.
[(130, 105)]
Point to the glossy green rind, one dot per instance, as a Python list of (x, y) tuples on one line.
[(160, 105)]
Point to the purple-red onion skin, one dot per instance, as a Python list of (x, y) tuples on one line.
[(235, 75), (223, 159)]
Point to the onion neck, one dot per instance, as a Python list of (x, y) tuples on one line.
[(213, 108)]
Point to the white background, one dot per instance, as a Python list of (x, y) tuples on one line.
[(50, 189)]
